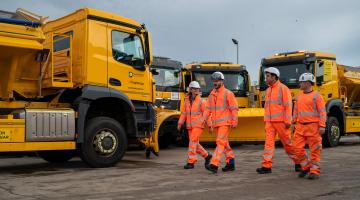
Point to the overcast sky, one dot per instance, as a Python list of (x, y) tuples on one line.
[(201, 30)]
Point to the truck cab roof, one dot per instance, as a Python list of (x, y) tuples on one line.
[(215, 66), (295, 56), (91, 13)]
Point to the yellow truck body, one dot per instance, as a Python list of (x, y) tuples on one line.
[(81, 82), (338, 84)]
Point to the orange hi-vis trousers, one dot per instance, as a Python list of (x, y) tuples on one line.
[(308, 133), (194, 145), (222, 145), (271, 128)]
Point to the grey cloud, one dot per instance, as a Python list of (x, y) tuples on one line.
[(201, 30)]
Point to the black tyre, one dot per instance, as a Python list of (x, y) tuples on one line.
[(165, 140), (332, 133), (105, 142), (56, 156)]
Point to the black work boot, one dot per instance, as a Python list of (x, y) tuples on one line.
[(212, 168), (303, 173), (229, 166), (208, 159), (313, 176), (263, 170), (297, 168), (189, 166)]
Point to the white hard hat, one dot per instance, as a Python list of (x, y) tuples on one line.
[(273, 70), (307, 77), (194, 84), (216, 76)]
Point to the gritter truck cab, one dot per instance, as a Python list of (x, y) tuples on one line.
[(78, 84), (169, 92), (338, 84), (250, 122)]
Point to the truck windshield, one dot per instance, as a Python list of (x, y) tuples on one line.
[(289, 74), (234, 81), (167, 79), (127, 48)]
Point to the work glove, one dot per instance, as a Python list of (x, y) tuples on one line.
[(321, 130)]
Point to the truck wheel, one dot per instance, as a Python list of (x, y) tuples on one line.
[(56, 156), (105, 142), (332, 134)]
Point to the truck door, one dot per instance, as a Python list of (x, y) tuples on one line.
[(126, 64)]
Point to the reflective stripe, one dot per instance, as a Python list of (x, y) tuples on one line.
[(268, 157), (288, 117), (216, 157), (225, 96), (268, 150), (192, 123), (303, 164), (322, 110), (193, 156), (217, 151), (308, 113), (193, 143), (315, 163), (304, 157), (224, 119), (323, 117), (274, 115), (292, 156), (318, 147), (191, 113), (232, 107), (315, 167), (288, 104)]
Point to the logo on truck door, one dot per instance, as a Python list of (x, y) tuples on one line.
[(5, 135)]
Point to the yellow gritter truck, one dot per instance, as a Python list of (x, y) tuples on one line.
[(250, 117), (338, 84), (78, 84), (169, 93)]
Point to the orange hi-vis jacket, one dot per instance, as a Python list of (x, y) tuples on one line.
[(310, 108), (221, 108), (278, 104), (192, 113)]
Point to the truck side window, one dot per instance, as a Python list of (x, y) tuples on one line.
[(127, 48), (319, 72), (62, 41)]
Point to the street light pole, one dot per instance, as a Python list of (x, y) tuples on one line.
[(237, 50)]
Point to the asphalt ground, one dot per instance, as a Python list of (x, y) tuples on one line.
[(163, 177)]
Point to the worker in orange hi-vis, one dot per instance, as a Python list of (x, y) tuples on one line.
[(278, 119), (310, 118), (192, 114), (222, 115)]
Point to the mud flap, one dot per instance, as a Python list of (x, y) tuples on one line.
[(151, 144)]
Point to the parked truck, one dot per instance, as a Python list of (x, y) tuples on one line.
[(169, 93), (250, 117), (338, 84), (78, 84)]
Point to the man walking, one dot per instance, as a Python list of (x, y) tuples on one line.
[(278, 119), (222, 115), (310, 119)]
